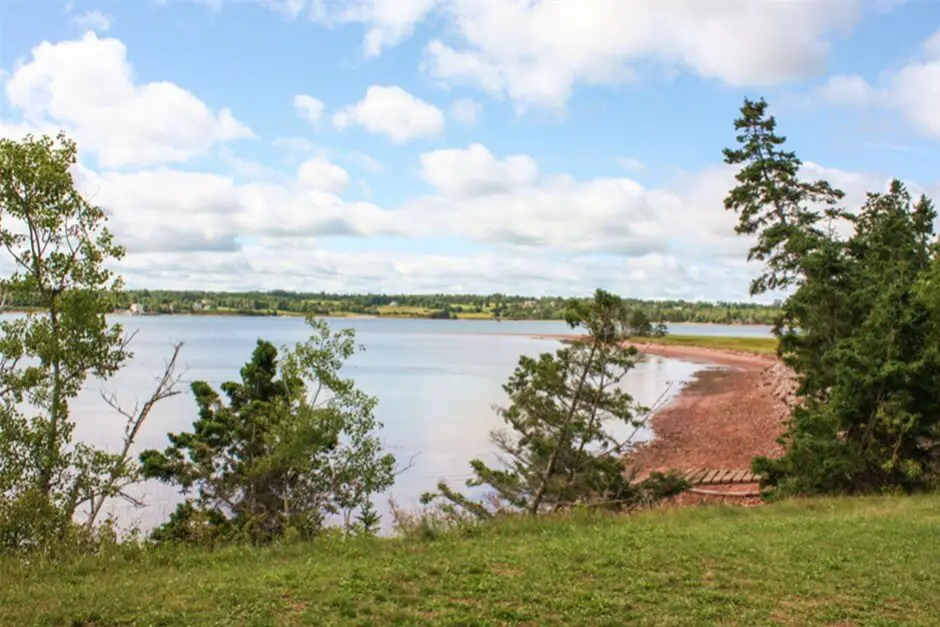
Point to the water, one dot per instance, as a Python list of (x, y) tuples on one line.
[(436, 382)]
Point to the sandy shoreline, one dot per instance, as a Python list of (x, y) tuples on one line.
[(704, 355), (722, 419), (733, 410)]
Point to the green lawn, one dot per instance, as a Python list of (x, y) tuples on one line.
[(827, 562), (766, 345)]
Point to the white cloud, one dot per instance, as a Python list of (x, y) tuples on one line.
[(362, 160), (300, 146), (394, 112), (293, 264), (87, 87), (631, 164), (916, 91), (476, 172), (165, 209), (465, 110), (389, 21), (321, 175), (516, 230), (849, 90), (536, 51), (290, 9), (309, 108), (94, 20), (247, 169), (913, 90), (932, 46), (294, 144)]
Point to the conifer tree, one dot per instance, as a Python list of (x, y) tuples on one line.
[(858, 327), (571, 424)]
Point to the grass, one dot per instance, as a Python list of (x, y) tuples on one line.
[(762, 345), (869, 561)]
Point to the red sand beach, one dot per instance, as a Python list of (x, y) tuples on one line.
[(723, 418)]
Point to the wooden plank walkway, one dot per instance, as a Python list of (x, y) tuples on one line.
[(711, 476)]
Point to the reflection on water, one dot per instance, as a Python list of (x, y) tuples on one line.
[(436, 380)]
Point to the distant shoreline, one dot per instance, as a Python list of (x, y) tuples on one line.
[(354, 316)]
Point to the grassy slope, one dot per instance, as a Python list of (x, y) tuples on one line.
[(837, 562), (764, 345)]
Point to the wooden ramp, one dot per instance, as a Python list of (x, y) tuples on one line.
[(709, 476)]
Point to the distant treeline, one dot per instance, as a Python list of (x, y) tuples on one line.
[(493, 306)]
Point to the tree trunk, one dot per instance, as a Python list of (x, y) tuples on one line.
[(553, 458)]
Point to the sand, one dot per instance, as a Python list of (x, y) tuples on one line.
[(722, 419)]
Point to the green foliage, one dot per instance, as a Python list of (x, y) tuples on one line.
[(759, 345), (60, 249), (859, 329), (294, 444), (771, 200), (637, 323), (561, 450), (486, 307)]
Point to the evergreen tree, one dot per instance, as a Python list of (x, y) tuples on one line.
[(565, 410), (294, 444), (858, 329), (771, 200)]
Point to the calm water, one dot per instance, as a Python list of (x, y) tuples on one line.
[(436, 381)]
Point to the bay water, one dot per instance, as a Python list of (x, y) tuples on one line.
[(436, 382)]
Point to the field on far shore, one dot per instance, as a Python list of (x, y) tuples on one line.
[(865, 561)]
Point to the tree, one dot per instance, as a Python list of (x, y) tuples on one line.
[(636, 323), (858, 328), (294, 444), (60, 250), (771, 200), (564, 409)]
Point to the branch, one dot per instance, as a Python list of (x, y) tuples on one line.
[(659, 403), (167, 386), (409, 465)]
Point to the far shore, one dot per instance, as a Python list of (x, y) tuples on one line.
[(356, 316)]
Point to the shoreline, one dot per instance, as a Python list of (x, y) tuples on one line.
[(708, 356), (723, 418), (356, 316), (732, 410)]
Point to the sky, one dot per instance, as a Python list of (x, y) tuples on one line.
[(538, 147)]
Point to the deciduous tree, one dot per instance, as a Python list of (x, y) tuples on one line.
[(60, 252)]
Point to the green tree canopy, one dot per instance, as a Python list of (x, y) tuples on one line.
[(571, 423), (60, 250), (859, 328), (293, 444)]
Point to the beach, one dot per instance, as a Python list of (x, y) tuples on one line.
[(734, 410)]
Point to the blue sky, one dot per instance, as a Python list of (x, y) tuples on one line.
[(419, 145)]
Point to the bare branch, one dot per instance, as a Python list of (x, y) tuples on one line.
[(167, 386), (409, 465)]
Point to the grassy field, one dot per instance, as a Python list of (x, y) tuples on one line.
[(826, 562), (764, 345)]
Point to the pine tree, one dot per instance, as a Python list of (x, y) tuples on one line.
[(562, 446), (294, 444), (858, 328)]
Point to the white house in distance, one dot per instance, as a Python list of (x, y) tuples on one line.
[(136, 309)]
